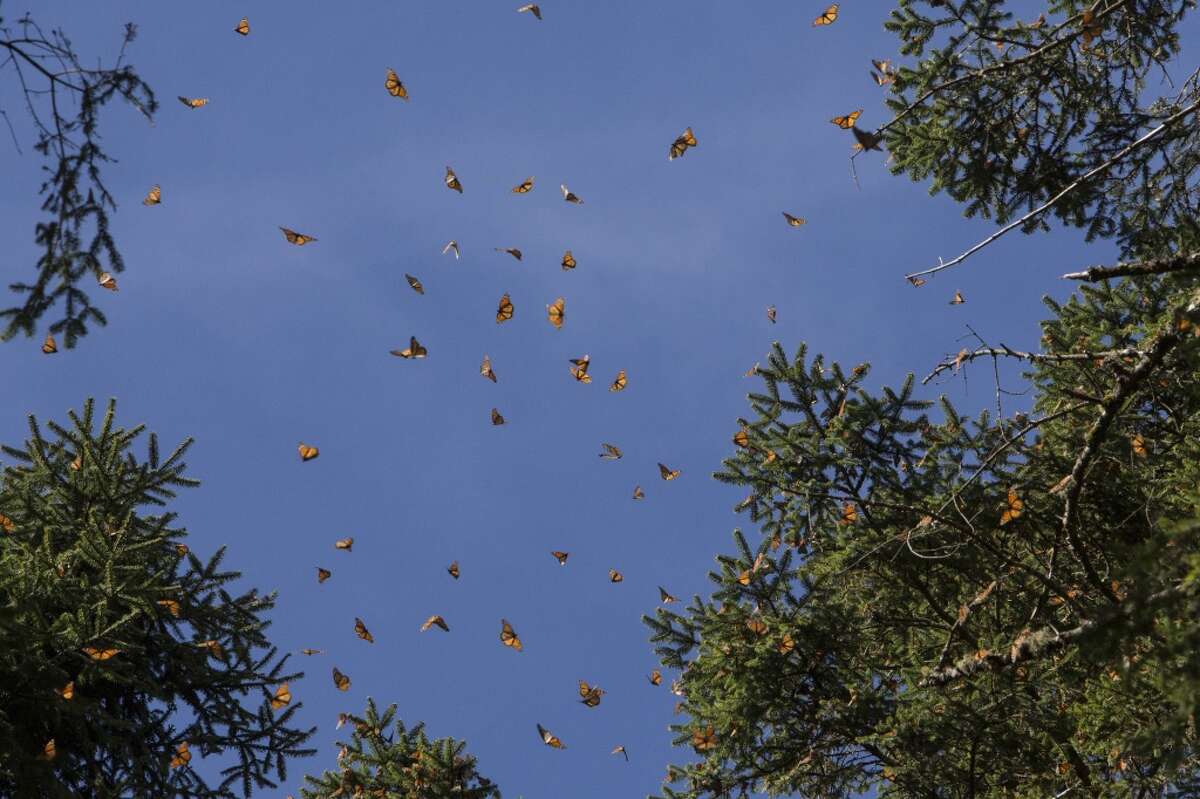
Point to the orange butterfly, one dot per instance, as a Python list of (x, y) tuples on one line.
[(1013, 509), (312, 651), (591, 694), (757, 626), (504, 311), (1139, 446), (794, 221), (828, 16), (435, 620), (610, 452), (508, 636), (7, 524), (100, 654), (49, 346), (49, 750), (513, 251), (846, 122), (307, 453), (413, 350), (665, 597), (786, 644), (299, 239), (703, 740), (497, 419), (556, 313), (579, 369), (171, 605), (107, 281), (154, 196), (741, 438), (194, 102), (620, 750), (414, 284), (548, 739), (655, 677), (681, 144), (532, 7), (362, 632), (849, 514), (344, 543), (340, 680), (666, 473), (619, 382), (395, 87), (452, 181), (282, 697), (67, 691), (323, 574), (958, 298), (524, 188), (561, 557), (568, 261), (638, 493), (243, 27), (615, 576), (485, 369), (917, 281), (452, 569)]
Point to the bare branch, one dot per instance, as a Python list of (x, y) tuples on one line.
[(1155, 266)]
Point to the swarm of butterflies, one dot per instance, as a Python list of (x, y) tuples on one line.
[(590, 695)]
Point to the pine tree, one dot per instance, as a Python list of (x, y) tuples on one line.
[(124, 659), (384, 759), (943, 605)]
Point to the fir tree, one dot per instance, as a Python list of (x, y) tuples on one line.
[(63, 98), (124, 659), (384, 759), (942, 605)]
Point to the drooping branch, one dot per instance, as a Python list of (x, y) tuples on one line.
[(1004, 351), (1154, 266)]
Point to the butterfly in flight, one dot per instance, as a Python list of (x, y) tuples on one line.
[(556, 313), (866, 141), (107, 281), (395, 87), (828, 16), (67, 692), (243, 27), (340, 680), (569, 195), (620, 750), (323, 575), (531, 7), (414, 284), (681, 144), (513, 251), (561, 557), (1013, 508), (282, 697), (452, 570), (771, 314), (307, 453), (497, 419), (523, 188), (591, 694), (49, 346), (504, 311), (619, 382), (413, 350), (615, 576), (312, 651), (299, 239), (883, 74), (794, 221), (101, 654), (485, 369), (568, 261), (452, 245), (508, 636), (154, 196), (917, 281), (435, 621), (655, 677), (182, 756), (194, 102), (665, 597), (362, 632), (847, 121), (579, 369), (344, 543), (610, 452), (666, 473), (452, 181), (638, 493), (958, 298), (549, 739)]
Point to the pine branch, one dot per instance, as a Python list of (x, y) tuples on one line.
[(1153, 266)]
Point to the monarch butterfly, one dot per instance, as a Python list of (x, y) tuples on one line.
[(194, 102), (312, 651), (638, 493), (794, 221), (655, 677), (504, 310), (703, 740), (753, 370), (243, 27), (610, 452), (344, 543), (828, 16), (362, 632), (757, 626), (917, 281), (549, 739), (171, 606), (414, 284), (681, 144), (958, 298), (619, 382), (485, 369), (107, 281), (49, 750), (591, 694), (745, 577), (181, 549), (395, 87), (569, 195), (340, 680), (100, 654), (666, 473), (849, 514), (1014, 507), (282, 697), (568, 261), (452, 181), (882, 74), (615, 576), (1139, 446), (214, 648), (561, 557), (435, 620), (621, 750), (771, 314), (413, 350), (1089, 27), (323, 574), (452, 570), (154, 196), (524, 187), (866, 141), (579, 369), (556, 313), (513, 251), (77, 464), (67, 692), (846, 122), (49, 346), (665, 597), (307, 453), (508, 636), (299, 239), (452, 245), (741, 438), (497, 419), (533, 7), (786, 644)]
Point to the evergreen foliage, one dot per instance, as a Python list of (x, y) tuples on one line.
[(950, 606), (384, 759), (99, 594)]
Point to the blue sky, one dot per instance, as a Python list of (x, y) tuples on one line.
[(223, 331)]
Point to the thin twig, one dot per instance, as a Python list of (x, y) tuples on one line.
[(1041, 209), (1036, 357), (11, 132), (1155, 266)]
